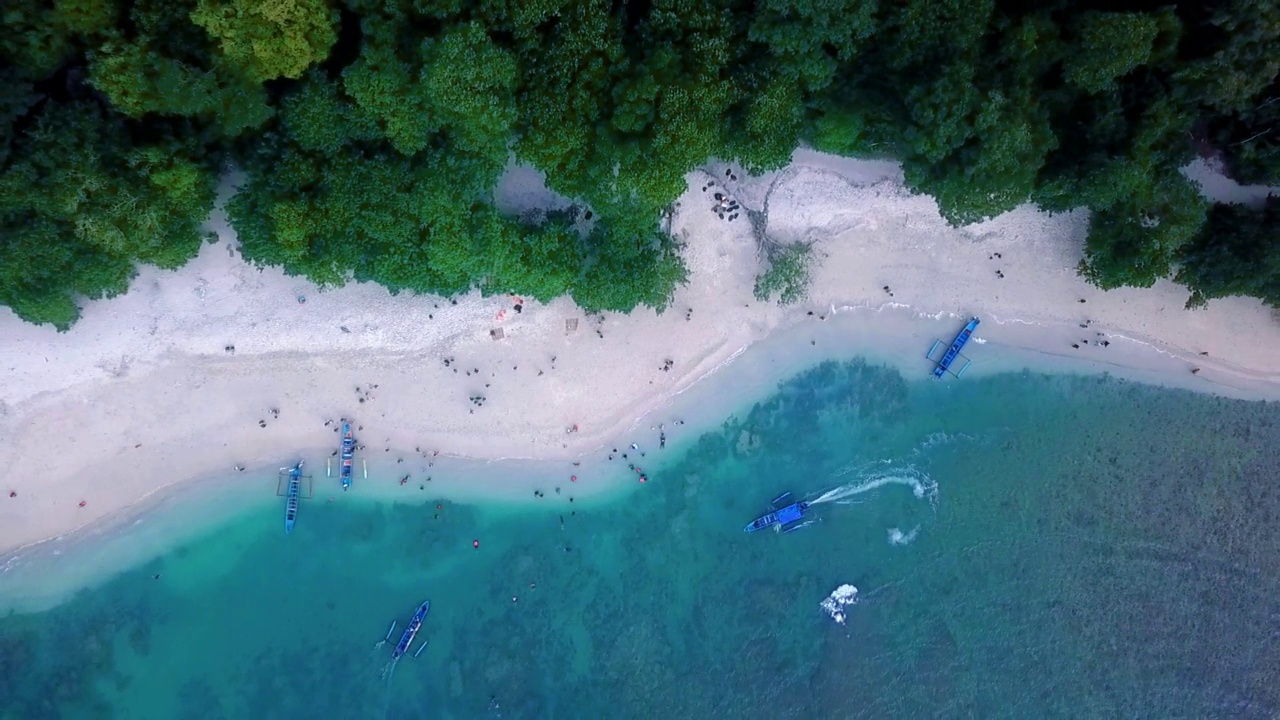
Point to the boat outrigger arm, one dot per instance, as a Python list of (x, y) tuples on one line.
[(943, 365)]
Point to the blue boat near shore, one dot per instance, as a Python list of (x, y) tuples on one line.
[(348, 452), (953, 352), (291, 497), (783, 518), (411, 631)]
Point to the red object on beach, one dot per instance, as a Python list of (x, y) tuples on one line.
[(475, 544), (573, 478), (83, 503)]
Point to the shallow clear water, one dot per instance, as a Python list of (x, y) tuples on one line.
[(1025, 546)]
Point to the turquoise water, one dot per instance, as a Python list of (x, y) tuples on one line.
[(1025, 546)]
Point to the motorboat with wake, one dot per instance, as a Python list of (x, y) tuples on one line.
[(782, 518)]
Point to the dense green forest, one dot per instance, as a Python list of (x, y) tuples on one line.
[(371, 132)]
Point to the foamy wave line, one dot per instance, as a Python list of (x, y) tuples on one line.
[(720, 365), (917, 312), (941, 438), (1034, 323), (1019, 321)]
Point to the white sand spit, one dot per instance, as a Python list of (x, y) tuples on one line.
[(142, 392)]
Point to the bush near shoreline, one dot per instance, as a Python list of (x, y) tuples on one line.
[(371, 134)]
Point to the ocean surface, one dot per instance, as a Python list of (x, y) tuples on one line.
[(1024, 546)]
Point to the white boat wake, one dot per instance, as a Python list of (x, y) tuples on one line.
[(922, 486)]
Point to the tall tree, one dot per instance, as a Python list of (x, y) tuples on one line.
[(1236, 253), (1108, 46), (102, 205), (270, 38)]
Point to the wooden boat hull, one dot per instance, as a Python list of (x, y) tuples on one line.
[(348, 453), (411, 630), (291, 498), (956, 346)]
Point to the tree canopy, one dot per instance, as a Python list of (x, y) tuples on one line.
[(372, 132)]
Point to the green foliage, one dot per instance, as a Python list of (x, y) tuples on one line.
[(840, 132), (542, 263), (34, 38), (315, 116), (772, 125), (85, 16), (995, 170), (101, 205), (372, 132), (470, 86), (270, 38), (1108, 46), (1254, 158), (388, 96), (166, 66), (624, 270), (138, 81), (1135, 240), (1236, 253), (810, 39), (1245, 60), (788, 275)]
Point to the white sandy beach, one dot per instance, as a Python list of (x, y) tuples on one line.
[(141, 394)]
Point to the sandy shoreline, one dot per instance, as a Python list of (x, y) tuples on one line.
[(141, 394)]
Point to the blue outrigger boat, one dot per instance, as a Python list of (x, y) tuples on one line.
[(348, 452), (953, 352), (780, 518), (291, 497), (411, 631)]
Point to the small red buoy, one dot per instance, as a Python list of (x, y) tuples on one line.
[(643, 479), (573, 478), (83, 503), (439, 507), (475, 544)]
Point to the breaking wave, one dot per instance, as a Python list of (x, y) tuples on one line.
[(897, 537), (838, 600)]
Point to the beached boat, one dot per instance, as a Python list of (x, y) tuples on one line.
[(944, 365), (348, 452), (781, 517), (411, 631), (291, 497)]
